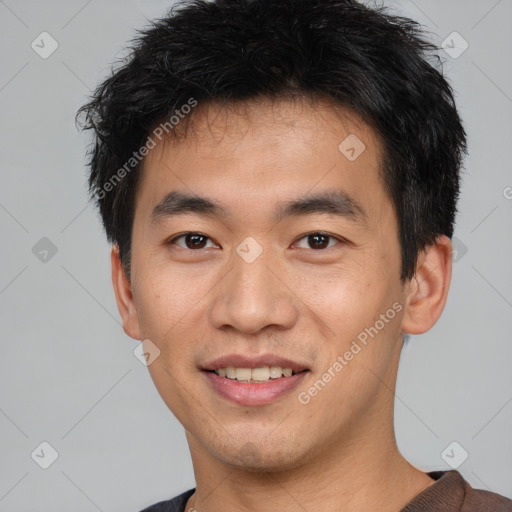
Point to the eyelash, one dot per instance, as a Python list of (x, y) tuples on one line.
[(321, 233)]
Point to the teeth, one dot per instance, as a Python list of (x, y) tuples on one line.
[(243, 374), (276, 372), (262, 374)]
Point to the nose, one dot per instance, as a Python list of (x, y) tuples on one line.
[(254, 296)]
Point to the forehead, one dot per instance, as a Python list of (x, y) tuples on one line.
[(212, 124), (283, 148)]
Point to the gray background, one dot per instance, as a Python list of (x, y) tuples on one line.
[(67, 372)]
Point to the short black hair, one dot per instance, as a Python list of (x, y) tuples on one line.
[(379, 65)]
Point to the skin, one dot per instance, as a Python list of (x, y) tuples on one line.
[(338, 452)]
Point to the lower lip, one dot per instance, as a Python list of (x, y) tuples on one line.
[(247, 393)]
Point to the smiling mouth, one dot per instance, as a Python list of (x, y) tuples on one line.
[(255, 375)]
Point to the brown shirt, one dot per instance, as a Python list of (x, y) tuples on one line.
[(449, 493)]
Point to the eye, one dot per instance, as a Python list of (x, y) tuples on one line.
[(192, 240), (319, 240), (315, 240)]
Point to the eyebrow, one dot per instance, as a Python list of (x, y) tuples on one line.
[(333, 202)]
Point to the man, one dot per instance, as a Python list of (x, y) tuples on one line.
[(279, 183)]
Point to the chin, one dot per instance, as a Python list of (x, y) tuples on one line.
[(254, 459)]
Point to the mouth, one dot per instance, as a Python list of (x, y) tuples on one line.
[(253, 381), (255, 375)]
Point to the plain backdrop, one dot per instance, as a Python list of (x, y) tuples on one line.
[(68, 375)]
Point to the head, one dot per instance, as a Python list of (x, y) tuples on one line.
[(319, 148)]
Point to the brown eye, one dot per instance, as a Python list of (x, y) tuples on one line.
[(318, 241), (192, 240)]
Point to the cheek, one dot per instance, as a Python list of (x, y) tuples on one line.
[(344, 298), (173, 387), (172, 304), (166, 294), (347, 306)]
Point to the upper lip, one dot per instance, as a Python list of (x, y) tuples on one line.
[(241, 361)]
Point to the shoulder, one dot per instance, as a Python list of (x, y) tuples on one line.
[(480, 500), (176, 504), (451, 493)]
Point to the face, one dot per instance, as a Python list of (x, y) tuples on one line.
[(266, 272)]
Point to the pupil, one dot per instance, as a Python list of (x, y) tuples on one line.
[(198, 241), (193, 241), (316, 238)]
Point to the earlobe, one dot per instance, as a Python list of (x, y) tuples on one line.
[(124, 296), (428, 289)]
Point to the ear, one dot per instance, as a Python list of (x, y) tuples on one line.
[(427, 291), (124, 296)]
